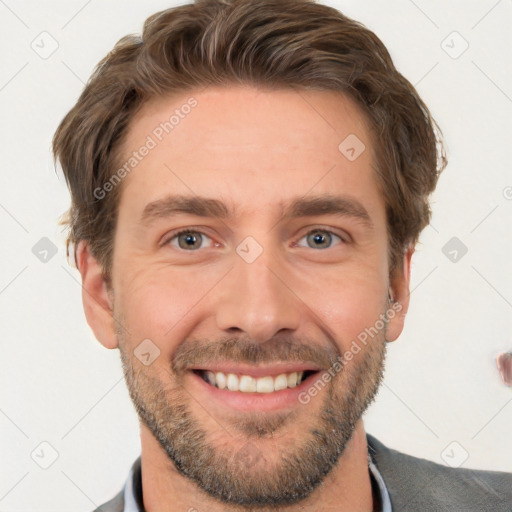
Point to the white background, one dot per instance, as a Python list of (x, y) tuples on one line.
[(59, 385)]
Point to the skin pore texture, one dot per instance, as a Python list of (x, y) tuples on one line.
[(317, 282)]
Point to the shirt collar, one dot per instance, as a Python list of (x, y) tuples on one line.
[(133, 489), (383, 490)]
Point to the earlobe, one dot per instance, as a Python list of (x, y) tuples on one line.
[(96, 297), (399, 292)]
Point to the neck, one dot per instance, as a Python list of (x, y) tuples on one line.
[(347, 488)]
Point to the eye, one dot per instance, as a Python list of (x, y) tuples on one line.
[(319, 239), (188, 239)]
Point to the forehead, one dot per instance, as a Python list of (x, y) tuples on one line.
[(252, 147)]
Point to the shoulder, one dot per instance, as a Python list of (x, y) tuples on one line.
[(132, 489), (419, 484), (116, 504)]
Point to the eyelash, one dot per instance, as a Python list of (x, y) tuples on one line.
[(174, 236)]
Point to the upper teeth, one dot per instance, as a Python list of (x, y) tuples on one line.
[(248, 384)]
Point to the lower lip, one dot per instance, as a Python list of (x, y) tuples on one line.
[(277, 400)]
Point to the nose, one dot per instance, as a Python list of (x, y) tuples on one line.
[(257, 299)]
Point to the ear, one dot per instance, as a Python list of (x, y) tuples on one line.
[(96, 297), (399, 291)]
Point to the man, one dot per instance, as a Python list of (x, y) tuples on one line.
[(248, 182)]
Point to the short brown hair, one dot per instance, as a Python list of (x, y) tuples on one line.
[(269, 43)]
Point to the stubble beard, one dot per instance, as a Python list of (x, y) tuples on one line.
[(239, 473)]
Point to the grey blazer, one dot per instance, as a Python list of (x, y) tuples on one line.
[(418, 485)]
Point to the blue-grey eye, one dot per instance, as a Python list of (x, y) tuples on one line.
[(189, 240), (319, 239)]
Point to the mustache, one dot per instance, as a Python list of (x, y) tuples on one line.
[(195, 352)]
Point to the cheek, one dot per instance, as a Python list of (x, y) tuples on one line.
[(347, 306), (161, 304)]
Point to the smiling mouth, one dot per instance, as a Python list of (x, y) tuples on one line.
[(249, 384)]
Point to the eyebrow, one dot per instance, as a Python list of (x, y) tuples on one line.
[(298, 207), (179, 204), (329, 205)]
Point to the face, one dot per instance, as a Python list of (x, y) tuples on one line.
[(250, 286)]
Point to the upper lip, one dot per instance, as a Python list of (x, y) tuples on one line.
[(257, 371)]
